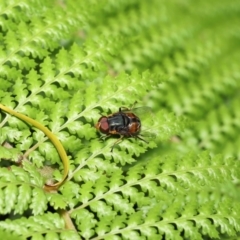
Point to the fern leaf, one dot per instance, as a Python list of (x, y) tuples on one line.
[(65, 64), (17, 187), (49, 224)]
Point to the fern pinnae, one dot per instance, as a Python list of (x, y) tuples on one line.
[(21, 191), (135, 192), (169, 216), (53, 139), (50, 224)]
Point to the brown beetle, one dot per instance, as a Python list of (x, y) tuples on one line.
[(124, 123)]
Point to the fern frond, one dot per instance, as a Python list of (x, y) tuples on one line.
[(149, 184), (65, 64), (49, 225), (18, 192), (159, 219)]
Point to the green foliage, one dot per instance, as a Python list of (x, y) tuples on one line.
[(66, 63)]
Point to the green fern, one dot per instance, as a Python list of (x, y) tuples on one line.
[(65, 64)]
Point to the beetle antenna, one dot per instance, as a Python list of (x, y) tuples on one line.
[(133, 105)]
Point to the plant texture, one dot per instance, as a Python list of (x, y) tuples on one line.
[(67, 63)]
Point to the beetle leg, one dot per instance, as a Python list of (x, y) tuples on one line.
[(117, 142), (121, 109), (126, 108), (133, 105), (104, 137), (141, 139)]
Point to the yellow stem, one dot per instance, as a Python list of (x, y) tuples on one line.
[(67, 219), (54, 140)]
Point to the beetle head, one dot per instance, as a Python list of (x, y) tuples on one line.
[(102, 125)]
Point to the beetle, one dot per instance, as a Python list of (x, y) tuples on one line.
[(124, 123)]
